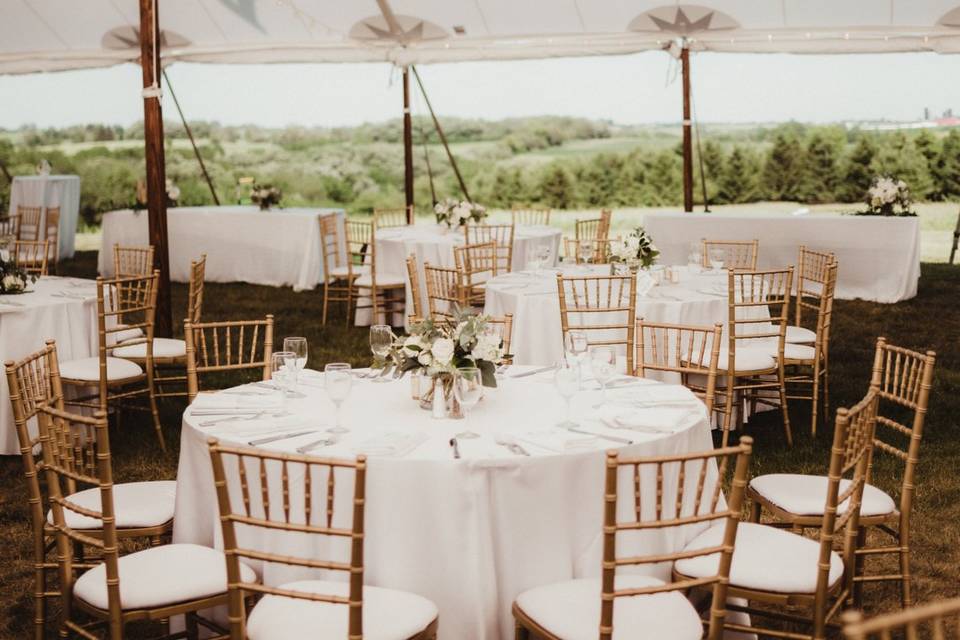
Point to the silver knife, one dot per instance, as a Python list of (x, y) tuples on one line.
[(310, 446), (533, 372), (600, 435), (516, 448), (260, 441)]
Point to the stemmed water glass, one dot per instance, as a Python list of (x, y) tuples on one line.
[(467, 388), (283, 372), (567, 381), (586, 251), (298, 346), (576, 344), (381, 340), (338, 381), (603, 362), (695, 257), (716, 259), (543, 256)]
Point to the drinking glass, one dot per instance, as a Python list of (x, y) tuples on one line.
[(586, 251), (543, 256), (338, 381), (603, 362), (467, 388), (283, 371), (695, 257), (576, 345), (298, 346), (381, 340), (567, 381), (716, 259)]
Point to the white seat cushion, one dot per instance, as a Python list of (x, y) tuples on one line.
[(805, 495), (747, 359), (344, 271), (162, 348), (161, 576), (764, 559), (126, 334), (571, 610), (798, 352), (800, 335), (383, 280), (387, 614), (89, 369), (136, 504)]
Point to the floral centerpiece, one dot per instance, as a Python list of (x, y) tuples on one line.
[(451, 211), (13, 279), (266, 196), (173, 193), (888, 197), (636, 250)]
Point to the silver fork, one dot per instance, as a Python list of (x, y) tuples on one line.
[(253, 416)]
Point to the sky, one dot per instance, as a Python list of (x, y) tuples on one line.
[(634, 89)]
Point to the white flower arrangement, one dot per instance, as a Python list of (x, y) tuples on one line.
[(638, 246), (12, 278), (888, 196), (451, 211), (173, 192), (266, 196)]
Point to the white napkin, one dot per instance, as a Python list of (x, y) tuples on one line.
[(645, 283), (390, 443), (557, 440), (652, 394), (647, 419), (245, 429), (206, 403)]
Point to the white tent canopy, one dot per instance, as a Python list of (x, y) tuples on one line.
[(50, 35)]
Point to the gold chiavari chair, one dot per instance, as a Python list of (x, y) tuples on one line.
[(594, 230), (338, 269), (504, 326), (785, 569), (937, 620), (52, 233), (737, 254), (10, 226), (227, 347), (152, 584), (641, 605), (413, 275), (170, 354), (500, 234), (807, 366), (589, 251), (313, 505), (813, 269), (123, 305), (132, 261), (530, 217), (678, 349), (386, 218), (446, 291), (32, 256), (478, 263), (758, 304), (30, 218), (603, 307), (387, 291)]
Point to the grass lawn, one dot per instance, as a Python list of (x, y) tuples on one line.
[(930, 321)]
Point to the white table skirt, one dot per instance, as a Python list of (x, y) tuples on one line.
[(435, 243), (879, 257), (280, 247), (51, 191), (469, 534), (71, 321), (535, 305)]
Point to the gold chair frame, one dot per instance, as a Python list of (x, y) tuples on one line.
[(10, 226), (446, 290), (392, 217), (593, 297), (680, 349), (813, 272), (502, 235), (386, 300), (132, 261), (52, 233), (336, 288), (599, 251), (474, 261), (29, 222), (413, 275), (739, 254), (530, 217), (231, 345), (935, 620), (32, 256)]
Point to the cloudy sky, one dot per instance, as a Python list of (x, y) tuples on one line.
[(639, 88)]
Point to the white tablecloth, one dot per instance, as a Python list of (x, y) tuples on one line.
[(469, 534), (435, 243), (50, 191), (64, 309), (879, 257), (280, 247), (699, 299)]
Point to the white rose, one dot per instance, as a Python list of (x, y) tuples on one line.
[(11, 282), (487, 348), (425, 358), (442, 350), (173, 193), (412, 341)]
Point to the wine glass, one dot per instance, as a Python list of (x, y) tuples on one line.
[(716, 259), (337, 380), (586, 251), (576, 345), (283, 371), (298, 346), (468, 388), (695, 257), (567, 381), (543, 256), (603, 362), (381, 340)]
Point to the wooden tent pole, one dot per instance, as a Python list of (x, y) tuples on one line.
[(407, 146), (153, 151), (443, 137), (687, 141), (196, 151)]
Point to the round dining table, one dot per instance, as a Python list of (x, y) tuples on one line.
[(471, 526), (699, 298), (64, 309)]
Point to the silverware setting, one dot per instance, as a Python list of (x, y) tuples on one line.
[(316, 444), (241, 417), (512, 446), (296, 434), (534, 372), (600, 435)]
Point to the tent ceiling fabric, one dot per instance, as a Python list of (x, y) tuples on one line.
[(50, 35)]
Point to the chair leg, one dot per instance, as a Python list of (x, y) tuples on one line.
[(520, 632), (906, 588), (783, 406), (756, 510), (728, 395), (326, 300), (39, 601), (193, 629), (814, 401), (154, 412), (858, 568)]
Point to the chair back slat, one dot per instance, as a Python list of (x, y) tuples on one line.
[(227, 346), (32, 256), (813, 272), (687, 350), (596, 251), (649, 504), (132, 261), (396, 217), (530, 217), (29, 222), (737, 254), (477, 263), (289, 478), (198, 270), (10, 226), (413, 279), (446, 291), (604, 307), (330, 246), (501, 235), (937, 620)]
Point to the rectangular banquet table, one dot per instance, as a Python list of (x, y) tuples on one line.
[(879, 257), (50, 191), (280, 247)]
